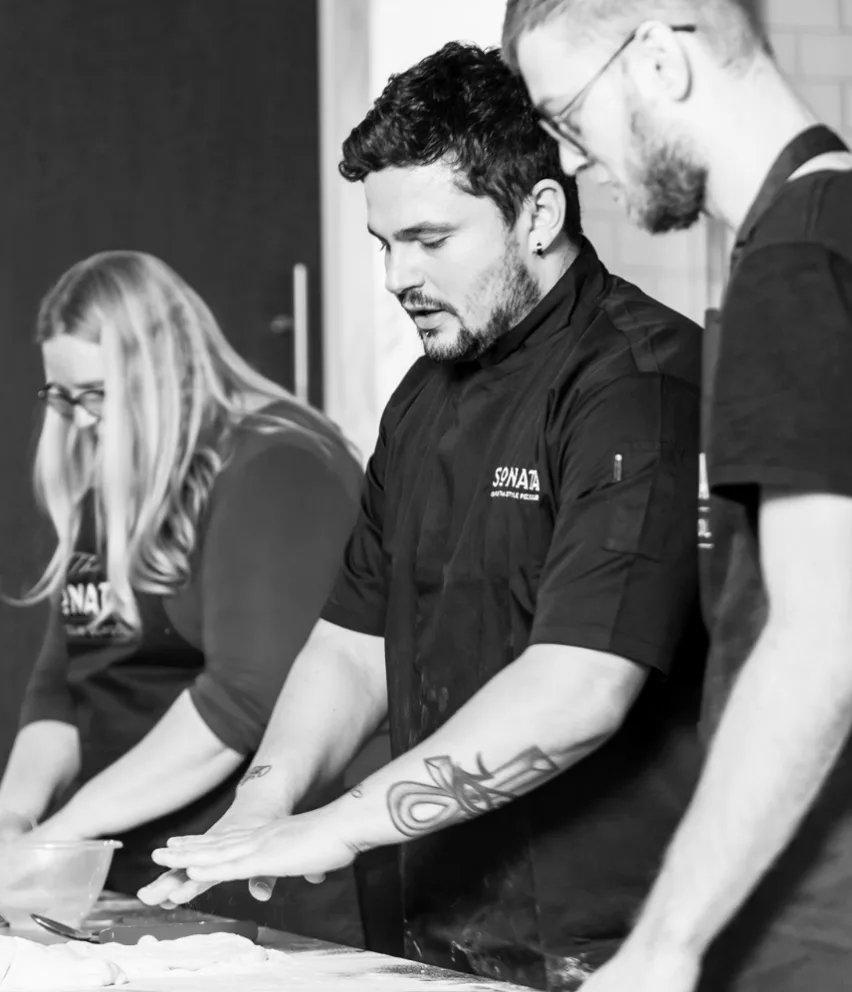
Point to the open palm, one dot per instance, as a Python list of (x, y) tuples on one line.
[(308, 844), (174, 888)]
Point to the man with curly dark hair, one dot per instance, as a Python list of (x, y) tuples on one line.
[(519, 592)]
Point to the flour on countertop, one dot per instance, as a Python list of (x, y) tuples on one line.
[(213, 963)]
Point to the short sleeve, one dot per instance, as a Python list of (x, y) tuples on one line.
[(48, 696), (270, 553), (782, 406), (621, 572), (359, 599)]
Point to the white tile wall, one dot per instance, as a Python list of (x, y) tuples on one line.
[(813, 44), (825, 54), (826, 99), (802, 13), (785, 44)]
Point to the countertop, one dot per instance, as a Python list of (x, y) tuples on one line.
[(313, 965)]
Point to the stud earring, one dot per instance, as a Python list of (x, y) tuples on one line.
[(539, 250)]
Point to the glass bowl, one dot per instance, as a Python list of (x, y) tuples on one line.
[(59, 879)]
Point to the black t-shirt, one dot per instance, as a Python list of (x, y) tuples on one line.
[(492, 519), (269, 548), (781, 416)]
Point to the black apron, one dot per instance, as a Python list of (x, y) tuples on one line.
[(713, 526), (121, 687), (777, 943)]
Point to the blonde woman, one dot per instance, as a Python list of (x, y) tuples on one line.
[(200, 514)]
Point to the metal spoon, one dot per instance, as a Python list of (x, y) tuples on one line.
[(130, 933), (63, 930)]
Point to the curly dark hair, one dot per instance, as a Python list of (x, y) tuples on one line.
[(462, 105)]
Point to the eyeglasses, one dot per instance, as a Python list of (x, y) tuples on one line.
[(557, 126), (60, 399)]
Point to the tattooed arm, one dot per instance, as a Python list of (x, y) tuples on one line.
[(546, 711), (335, 697), (480, 760), (256, 771)]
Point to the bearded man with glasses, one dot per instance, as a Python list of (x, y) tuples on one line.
[(679, 105)]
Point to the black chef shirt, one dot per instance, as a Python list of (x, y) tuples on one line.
[(492, 519)]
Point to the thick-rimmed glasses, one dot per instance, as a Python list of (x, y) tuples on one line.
[(557, 126), (60, 399)]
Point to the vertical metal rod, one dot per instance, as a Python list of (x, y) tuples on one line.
[(300, 331)]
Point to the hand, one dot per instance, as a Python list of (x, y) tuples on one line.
[(638, 969), (14, 825), (174, 888), (58, 827), (308, 844)]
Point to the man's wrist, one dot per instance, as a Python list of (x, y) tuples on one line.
[(259, 808), (663, 931), (359, 818), (265, 796)]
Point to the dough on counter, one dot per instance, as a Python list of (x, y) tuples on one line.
[(203, 953), (27, 966)]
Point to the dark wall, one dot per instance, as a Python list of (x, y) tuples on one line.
[(186, 128)]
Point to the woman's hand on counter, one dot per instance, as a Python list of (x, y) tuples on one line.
[(308, 844)]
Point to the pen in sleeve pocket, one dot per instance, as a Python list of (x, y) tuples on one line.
[(616, 468)]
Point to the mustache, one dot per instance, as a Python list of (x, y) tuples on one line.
[(417, 301)]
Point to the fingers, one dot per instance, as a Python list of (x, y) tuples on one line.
[(261, 887), (173, 888), (277, 849), (221, 859), (210, 850), (189, 839), (193, 842), (247, 867)]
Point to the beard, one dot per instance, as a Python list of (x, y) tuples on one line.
[(516, 292), (667, 187)]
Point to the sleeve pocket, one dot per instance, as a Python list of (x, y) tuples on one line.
[(640, 504)]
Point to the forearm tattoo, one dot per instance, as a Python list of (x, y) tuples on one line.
[(257, 771), (418, 808)]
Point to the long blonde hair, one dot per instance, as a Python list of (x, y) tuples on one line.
[(174, 392)]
